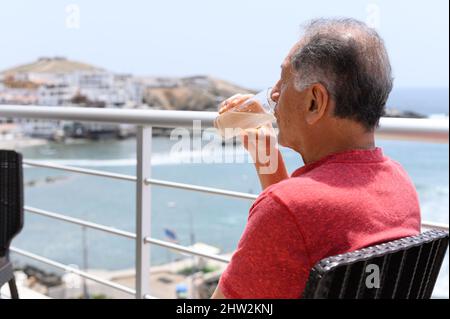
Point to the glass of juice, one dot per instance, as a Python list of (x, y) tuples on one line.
[(253, 113)]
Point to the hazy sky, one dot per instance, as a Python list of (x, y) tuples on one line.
[(243, 41)]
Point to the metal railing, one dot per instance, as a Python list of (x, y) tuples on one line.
[(430, 130)]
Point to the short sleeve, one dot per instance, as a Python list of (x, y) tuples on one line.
[(271, 259)]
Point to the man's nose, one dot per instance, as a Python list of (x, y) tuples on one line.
[(275, 95)]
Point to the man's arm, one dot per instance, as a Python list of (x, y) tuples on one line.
[(278, 175), (262, 145), (218, 293), (270, 260)]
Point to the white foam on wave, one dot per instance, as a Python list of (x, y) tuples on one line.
[(158, 159)]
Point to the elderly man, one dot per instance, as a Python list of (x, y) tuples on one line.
[(331, 94)]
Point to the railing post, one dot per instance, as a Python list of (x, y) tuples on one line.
[(143, 210)]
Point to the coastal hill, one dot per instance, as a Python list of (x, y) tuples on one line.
[(51, 65), (197, 93)]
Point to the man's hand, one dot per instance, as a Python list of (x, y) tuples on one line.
[(262, 145), (260, 142)]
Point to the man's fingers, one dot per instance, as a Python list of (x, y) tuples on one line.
[(233, 102)]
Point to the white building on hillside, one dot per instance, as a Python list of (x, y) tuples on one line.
[(55, 94), (19, 96), (55, 81)]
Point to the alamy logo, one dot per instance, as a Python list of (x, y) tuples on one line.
[(73, 16), (373, 16), (373, 277)]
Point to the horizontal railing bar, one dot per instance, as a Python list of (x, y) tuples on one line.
[(185, 249), (73, 270), (433, 225), (152, 181), (80, 170), (121, 233), (80, 222), (201, 189), (429, 129), (159, 118)]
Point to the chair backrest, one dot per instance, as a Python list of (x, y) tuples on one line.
[(11, 197), (406, 268)]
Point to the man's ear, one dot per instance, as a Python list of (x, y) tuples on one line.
[(318, 103)]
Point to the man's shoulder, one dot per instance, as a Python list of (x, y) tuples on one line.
[(292, 186), (293, 191)]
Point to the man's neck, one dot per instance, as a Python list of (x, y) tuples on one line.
[(336, 143)]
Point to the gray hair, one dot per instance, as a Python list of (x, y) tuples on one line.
[(351, 61)]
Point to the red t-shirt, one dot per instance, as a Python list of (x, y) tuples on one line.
[(343, 202)]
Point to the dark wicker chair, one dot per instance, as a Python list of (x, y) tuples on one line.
[(11, 212), (407, 269)]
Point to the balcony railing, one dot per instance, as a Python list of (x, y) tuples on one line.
[(430, 130)]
